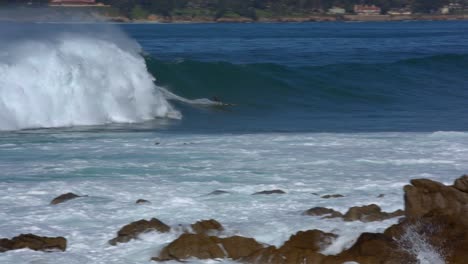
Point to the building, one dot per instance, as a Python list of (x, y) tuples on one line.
[(399, 11), (71, 2), (336, 11), (367, 10)]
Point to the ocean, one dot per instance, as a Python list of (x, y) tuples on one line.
[(172, 112)]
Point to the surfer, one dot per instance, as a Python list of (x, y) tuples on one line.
[(215, 99)]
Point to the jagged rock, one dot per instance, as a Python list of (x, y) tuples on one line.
[(302, 247), (132, 230), (64, 197), (142, 201), (328, 196), (372, 248), (218, 192), (202, 246), (207, 226), (192, 245), (318, 211), (270, 192), (462, 183), (426, 197), (33, 242), (238, 246), (369, 213)]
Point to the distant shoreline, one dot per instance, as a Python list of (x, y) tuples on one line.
[(286, 19)]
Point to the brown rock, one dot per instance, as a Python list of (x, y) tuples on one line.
[(462, 183), (207, 226), (426, 197), (33, 242), (238, 247), (318, 211), (270, 192), (192, 245), (64, 197), (142, 201), (372, 248), (369, 213), (328, 196), (132, 230)]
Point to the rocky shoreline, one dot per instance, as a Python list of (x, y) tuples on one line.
[(435, 220)]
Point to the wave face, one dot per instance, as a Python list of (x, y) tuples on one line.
[(66, 77), (418, 94)]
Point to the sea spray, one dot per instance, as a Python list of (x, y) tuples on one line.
[(414, 241), (68, 77)]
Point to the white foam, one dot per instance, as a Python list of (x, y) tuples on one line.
[(72, 78)]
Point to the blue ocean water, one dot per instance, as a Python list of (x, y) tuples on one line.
[(357, 109), (320, 77)]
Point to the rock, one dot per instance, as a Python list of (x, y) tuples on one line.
[(462, 183), (372, 248), (64, 197), (238, 247), (381, 195), (302, 247), (427, 197), (328, 196), (314, 240), (207, 226), (186, 246), (142, 201), (270, 192), (369, 213), (132, 230), (218, 192), (33, 242), (202, 246), (318, 211)]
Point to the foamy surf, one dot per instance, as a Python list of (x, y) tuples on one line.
[(60, 79)]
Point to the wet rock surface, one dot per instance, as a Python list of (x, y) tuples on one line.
[(320, 211), (142, 201), (208, 247), (369, 213), (207, 227), (328, 196), (270, 192), (64, 197), (132, 230), (34, 242)]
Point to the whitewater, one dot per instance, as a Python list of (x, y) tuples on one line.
[(62, 78)]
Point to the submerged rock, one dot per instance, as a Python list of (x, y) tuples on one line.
[(207, 226), (328, 196), (142, 201), (270, 192), (369, 213), (134, 229), (218, 192), (319, 211), (33, 242), (64, 197)]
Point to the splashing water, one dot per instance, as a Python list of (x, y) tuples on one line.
[(414, 242), (73, 78)]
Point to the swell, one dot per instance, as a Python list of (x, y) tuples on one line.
[(426, 83)]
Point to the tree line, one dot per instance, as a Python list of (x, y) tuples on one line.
[(251, 8)]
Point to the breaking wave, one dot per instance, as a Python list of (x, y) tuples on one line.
[(68, 77)]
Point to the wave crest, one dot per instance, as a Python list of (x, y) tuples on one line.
[(69, 79)]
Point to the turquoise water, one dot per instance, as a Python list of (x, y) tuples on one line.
[(357, 109)]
